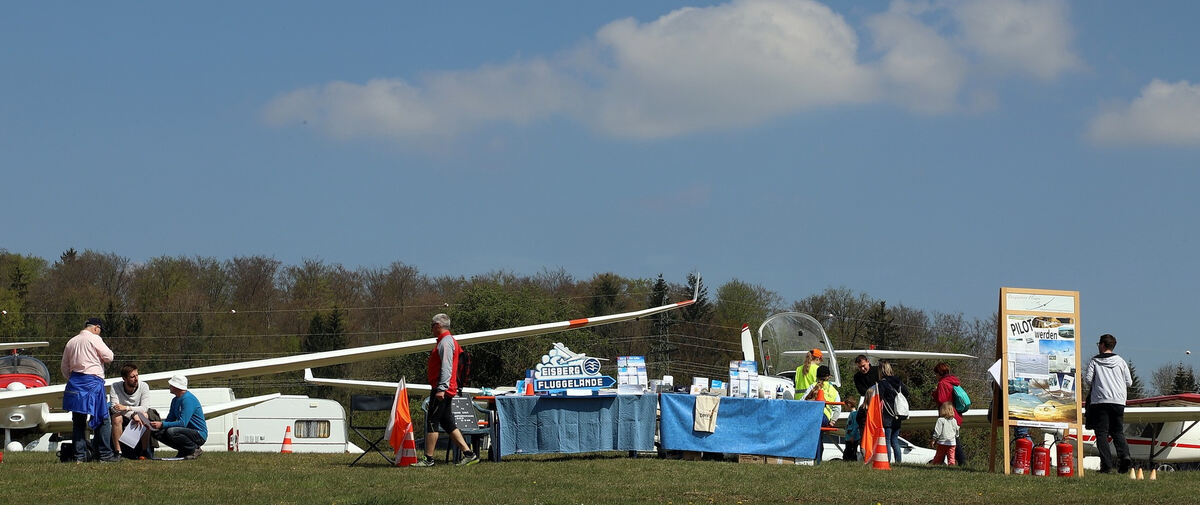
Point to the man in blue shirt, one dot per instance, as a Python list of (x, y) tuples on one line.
[(184, 428)]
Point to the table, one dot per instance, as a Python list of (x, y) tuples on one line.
[(783, 428), (554, 424)]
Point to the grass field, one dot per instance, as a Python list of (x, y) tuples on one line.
[(249, 478)]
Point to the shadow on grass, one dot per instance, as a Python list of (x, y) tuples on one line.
[(587, 456), (381, 501)]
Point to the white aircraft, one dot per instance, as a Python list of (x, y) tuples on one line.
[(379, 386), (25, 405), (784, 339), (1159, 430), (20, 373)]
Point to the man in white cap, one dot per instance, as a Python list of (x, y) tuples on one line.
[(184, 428)]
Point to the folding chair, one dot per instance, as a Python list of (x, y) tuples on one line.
[(370, 403)]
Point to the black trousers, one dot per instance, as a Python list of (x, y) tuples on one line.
[(184, 440), (1108, 420)]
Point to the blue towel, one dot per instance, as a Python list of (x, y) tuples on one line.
[(85, 394)]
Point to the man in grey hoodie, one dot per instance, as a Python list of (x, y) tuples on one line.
[(1109, 376)]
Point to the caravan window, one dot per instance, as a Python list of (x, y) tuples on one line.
[(312, 429)]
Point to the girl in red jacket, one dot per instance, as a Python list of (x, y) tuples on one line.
[(944, 392)]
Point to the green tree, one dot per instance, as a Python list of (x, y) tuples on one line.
[(488, 306), (701, 310), (326, 332), (21, 272), (660, 326), (881, 327), (1137, 390), (1185, 380), (741, 303)]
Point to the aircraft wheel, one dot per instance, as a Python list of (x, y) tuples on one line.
[(1164, 467)]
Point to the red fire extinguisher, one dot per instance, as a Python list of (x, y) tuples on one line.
[(1041, 461), (1066, 459), (1021, 456)]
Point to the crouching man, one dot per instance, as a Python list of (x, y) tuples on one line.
[(130, 400), (184, 429)]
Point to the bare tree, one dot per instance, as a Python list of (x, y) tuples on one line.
[(1163, 379)]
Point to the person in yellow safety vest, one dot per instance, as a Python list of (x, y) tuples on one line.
[(806, 374), (822, 390)]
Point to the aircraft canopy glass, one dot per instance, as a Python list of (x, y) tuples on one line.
[(792, 331)]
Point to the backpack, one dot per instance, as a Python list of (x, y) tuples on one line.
[(463, 373), (962, 402), (897, 408), (901, 406)]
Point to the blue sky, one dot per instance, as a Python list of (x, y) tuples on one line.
[(926, 153)]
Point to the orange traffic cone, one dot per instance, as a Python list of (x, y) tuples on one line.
[(880, 460), (1154, 474), (408, 450), (287, 441), (1141, 476)]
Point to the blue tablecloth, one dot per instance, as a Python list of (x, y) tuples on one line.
[(783, 428), (541, 424)]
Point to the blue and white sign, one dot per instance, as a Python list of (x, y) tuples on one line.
[(563, 369)]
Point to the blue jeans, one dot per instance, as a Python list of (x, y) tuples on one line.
[(184, 440), (893, 442), (101, 437)]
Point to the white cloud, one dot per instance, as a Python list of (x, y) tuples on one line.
[(446, 103), (729, 65), (920, 68), (1165, 113), (696, 69), (1022, 36)]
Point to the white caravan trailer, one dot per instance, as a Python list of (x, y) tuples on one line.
[(318, 425)]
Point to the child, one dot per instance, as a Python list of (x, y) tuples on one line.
[(944, 433), (853, 433)]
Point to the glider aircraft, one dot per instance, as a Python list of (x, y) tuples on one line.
[(26, 397)]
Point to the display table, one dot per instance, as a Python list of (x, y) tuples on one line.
[(545, 424), (783, 428)]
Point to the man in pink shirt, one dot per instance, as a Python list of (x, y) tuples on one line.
[(83, 363)]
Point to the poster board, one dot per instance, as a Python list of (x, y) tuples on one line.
[(1038, 347)]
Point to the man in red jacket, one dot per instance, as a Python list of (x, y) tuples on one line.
[(443, 376), (944, 392)]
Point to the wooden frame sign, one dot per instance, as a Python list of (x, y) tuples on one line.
[(1038, 347)]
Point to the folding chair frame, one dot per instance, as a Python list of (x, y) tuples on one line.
[(366, 402)]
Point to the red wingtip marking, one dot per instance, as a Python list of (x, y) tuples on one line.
[(575, 323), (744, 326)]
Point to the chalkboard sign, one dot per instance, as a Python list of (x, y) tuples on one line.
[(464, 414)]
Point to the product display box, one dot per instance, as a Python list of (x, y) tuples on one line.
[(751, 458)]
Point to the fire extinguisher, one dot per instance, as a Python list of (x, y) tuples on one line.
[(1021, 456), (1066, 459), (1041, 461)]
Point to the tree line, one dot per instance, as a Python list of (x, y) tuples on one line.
[(182, 312)]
